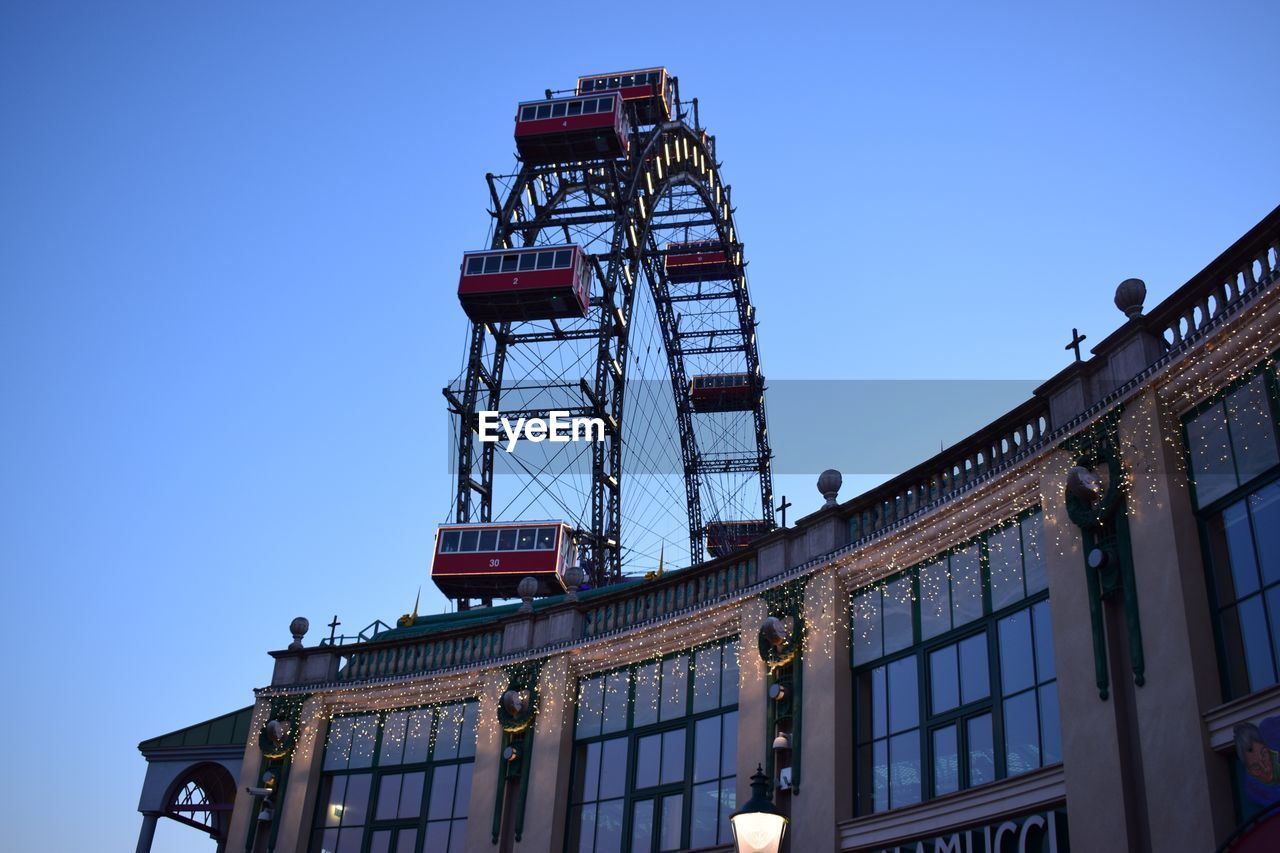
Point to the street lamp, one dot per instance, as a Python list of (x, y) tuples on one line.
[(758, 827)]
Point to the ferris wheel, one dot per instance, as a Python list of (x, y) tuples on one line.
[(613, 290)]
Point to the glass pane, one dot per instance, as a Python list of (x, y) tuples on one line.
[(488, 540), (475, 266), (975, 677), (449, 542), (904, 695), (617, 692), (575, 108), (417, 736), (729, 674), (407, 841), (587, 828), (335, 787), (982, 752), (468, 734), (527, 113), (448, 729), (675, 678), (1045, 667), (966, 586), (613, 768), (1050, 727), (491, 263), (509, 265), (563, 258), (729, 756), (946, 761), (443, 780), (590, 702), (1004, 552), (381, 842), (525, 538), (437, 837), (363, 738), (944, 680), (393, 738), (935, 600), (1016, 670), (706, 679), (388, 797), (642, 827), (1253, 436), (528, 260), (546, 539), (904, 769), (897, 615), (728, 804), (468, 541), (589, 771), (879, 703), (645, 710), (544, 111), (648, 758), (1033, 560), (349, 840), (457, 837), (588, 106), (1211, 464), (411, 794), (866, 626), (1257, 643), (880, 775), (706, 749), (338, 746), (1239, 540), (558, 110), (1265, 506), (672, 817), (545, 262), (705, 815), (609, 827), (1021, 733), (507, 539), (672, 756), (462, 791)]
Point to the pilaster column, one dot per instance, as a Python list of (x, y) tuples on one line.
[(552, 759), (487, 774), (752, 734), (148, 831), (826, 736), (303, 778)]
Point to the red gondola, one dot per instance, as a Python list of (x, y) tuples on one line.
[(703, 260), (490, 560), (561, 130), (724, 392), (650, 92), (524, 284), (725, 537)]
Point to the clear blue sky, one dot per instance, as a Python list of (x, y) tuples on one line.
[(230, 241)]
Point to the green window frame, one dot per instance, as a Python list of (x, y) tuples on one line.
[(954, 679), (1233, 466), (655, 754), (397, 781)]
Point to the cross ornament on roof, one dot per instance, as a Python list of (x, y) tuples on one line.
[(333, 628), (782, 508), (1076, 340)]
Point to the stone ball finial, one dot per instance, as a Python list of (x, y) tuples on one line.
[(829, 483), (574, 577), (527, 589), (298, 628), (1130, 295)]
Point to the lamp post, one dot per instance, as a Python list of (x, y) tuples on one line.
[(758, 827)]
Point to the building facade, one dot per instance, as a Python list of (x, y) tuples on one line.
[(1063, 632)]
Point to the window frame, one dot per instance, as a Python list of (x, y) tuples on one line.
[(686, 722), (375, 772), (1214, 509), (960, 715)]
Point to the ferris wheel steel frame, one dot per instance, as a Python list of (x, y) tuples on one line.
[(667, 160)]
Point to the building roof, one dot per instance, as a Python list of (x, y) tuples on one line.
[(228, 730)]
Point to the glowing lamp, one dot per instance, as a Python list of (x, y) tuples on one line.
[(758, 827)]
